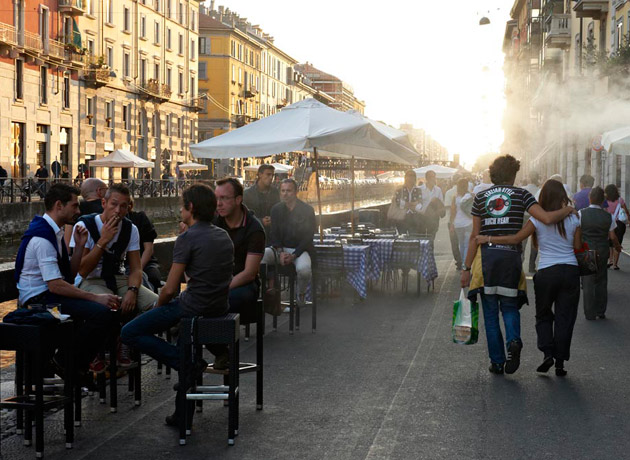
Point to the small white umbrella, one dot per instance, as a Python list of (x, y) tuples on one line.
[(192, 166), (441, 172), (122, 159), (278, 167)]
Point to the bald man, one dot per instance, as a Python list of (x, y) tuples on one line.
[(92, 191)]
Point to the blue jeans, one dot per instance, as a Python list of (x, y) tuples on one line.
[(511, 319), (140, 333)]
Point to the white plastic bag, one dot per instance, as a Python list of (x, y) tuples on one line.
[(465, 327)]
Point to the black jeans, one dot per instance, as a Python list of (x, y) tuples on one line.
[(557, 286)]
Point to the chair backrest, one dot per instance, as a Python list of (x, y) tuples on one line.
[(202, 331), (329, 257), (405, 251)]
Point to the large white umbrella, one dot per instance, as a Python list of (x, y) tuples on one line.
[(307, 125), (122, 159), (441, 172), (192, 166), (617, 141)]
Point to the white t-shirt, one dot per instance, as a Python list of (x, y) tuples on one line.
[(134, 243), (428, 195), (461, 218), (481, 187), (448, 198), (553, 249)]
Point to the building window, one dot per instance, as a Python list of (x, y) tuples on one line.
[(157, 32), (155, 119), (157, 5), (180, 48), (169, 8), (126, 117), (192, 87), (240, 76), (65, 95), (233, 74), (168, 125), (180, 127), (169, 80), (140, 123), (156, 71), (126, 19), (181, 13), (192, 49), (19, 79), (202, 70), (232, 48), (191, 130), (204, 45), (126, 66), (143, 26), (180, 82), (143, 71), (90, 7), (619, 35), (168, 38), (109, 11), (90, 46), (110, 57), (43, 85), (193, 20), (90, 111), (109, 114)]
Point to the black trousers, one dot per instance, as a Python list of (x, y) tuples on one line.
[(557, 290)]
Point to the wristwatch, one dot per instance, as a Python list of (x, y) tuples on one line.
[(466, 268), (133, 288)]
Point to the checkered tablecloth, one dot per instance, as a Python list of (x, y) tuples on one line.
[(355, 260), (383, 252)]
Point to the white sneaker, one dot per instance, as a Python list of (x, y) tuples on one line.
[(287, 310)]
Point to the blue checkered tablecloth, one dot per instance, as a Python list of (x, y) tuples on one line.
[(383, 253), (355, 259)]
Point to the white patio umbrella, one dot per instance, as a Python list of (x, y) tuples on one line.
[(617, 141), (192, 166), (122, 159), (441, 172), (306, 125)]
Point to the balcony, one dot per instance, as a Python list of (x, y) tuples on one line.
[(591, 8), (97, 74), (241, 120), (558, 31), (72, 7), (281, 104), (251, 92), (8, 36), (75, 55), (155, 91)]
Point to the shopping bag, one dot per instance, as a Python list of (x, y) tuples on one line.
[(465, 320)]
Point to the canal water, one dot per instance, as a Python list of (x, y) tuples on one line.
[(9, 246)]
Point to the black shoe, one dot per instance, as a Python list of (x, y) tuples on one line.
[(221, 362), (496, 368), (590, 318), (198, 370), (602, 316), (546, 364), (560, 372), (172, 420), (513, 357)]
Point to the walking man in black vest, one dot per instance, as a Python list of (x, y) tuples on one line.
[(45, 274), (112, 238)]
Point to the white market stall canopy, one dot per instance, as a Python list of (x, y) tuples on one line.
[(617, 141), (121, 159), (441, 172), (278, 167), (307, 125), (192, 166)]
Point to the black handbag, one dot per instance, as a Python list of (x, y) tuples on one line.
[(588, 261)]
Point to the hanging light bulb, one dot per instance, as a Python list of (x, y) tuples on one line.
[(484, 21)]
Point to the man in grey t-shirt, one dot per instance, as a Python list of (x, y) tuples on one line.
[(205, 255)]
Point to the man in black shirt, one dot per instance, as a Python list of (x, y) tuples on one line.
[(248, 236), (292, 228), (261, 196), (149, 263), (92, 191)]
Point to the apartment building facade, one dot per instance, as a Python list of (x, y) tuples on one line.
[(560, 95), (39, 87)]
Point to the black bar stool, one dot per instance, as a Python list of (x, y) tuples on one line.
[(31, 344), (194, 334)]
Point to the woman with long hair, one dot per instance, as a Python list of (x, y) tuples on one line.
[(557, 281), (616, 208)]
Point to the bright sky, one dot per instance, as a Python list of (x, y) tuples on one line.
[(413, 61)]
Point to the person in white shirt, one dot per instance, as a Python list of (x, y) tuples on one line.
[(44, 273), (461, 218), (557, 281), (432, 205), (448, 200), (485, 184), (112, 238)]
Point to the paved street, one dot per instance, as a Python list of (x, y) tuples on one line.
[(381, 379)]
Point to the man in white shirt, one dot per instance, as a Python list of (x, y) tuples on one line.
[(432, 204), (44, 273), (112, 238), (485, 184), (449, 196)]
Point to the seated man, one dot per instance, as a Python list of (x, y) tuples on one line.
[(262, 196), (205, 254), (248, 236), (292, 229), (149, 263), (45, 274), (112, 238)]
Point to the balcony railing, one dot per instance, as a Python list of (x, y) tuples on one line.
[(98, 76), (590, 8), (31, 41), (8, 35), (72, 7), (251, 92), (153, 89), (558, 31)]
